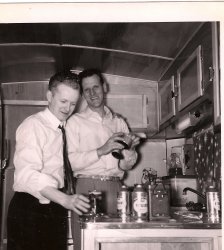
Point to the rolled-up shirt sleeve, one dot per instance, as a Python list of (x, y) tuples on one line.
[(81, 160), (78, 159), (29, 163)]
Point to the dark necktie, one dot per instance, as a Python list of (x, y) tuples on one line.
[(68, 175)]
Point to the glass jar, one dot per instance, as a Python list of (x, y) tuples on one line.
[(175, 167)]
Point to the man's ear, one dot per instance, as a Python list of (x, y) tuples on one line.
[(49, 95)]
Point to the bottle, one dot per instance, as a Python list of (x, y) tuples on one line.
[(123, 202), (213, 204), (175, 165), (150, 190), (159, 201), (139, 204)]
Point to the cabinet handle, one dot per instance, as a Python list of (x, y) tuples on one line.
[(6, 150), (211, 74), (197, 113), (173, 94)]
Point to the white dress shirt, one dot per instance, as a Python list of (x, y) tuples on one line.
[(38, 155), (88, 131)]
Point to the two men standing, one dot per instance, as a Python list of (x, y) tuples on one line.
[(37, 212)]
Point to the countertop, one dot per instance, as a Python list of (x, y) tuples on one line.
[(177, 222)]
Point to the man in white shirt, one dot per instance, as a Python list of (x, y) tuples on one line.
[(92, 136), (37, 212)]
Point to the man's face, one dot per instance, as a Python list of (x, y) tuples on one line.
[(62, 101), (93, 91)]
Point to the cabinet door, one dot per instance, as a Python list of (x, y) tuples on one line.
[(167, 101), (1, 129), (1, 171), (216, 78), (189, 79), (158, 243), (150, 238), (133, 108)]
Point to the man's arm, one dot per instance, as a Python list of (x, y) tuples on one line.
[(77, 202), (85, 159), (28, 161)]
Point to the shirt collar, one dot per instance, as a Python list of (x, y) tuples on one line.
[(53, 120), (108, 114)]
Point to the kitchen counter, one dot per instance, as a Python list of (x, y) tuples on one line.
[(104, 222), (108, 233)]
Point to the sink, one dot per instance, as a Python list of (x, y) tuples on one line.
[(189, 216)]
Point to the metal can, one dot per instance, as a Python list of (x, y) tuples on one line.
[(139, 204), (123, 202), (213, 205), (150, 201)]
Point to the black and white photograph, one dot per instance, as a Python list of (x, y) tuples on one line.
[(110, 125)]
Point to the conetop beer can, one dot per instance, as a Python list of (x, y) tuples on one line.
[(139, 204), (213, 205), (124, 202)]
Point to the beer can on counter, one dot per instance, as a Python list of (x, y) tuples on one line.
[(213, 205), (124, 202), (139, 204)]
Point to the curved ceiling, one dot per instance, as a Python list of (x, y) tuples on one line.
[(140, 50)]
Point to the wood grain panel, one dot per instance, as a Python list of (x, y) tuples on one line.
[(185, 246), (25, 90), (130, 246)]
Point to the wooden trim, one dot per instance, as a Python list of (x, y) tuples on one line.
[(138, 239), (121, 96), (216, 80), (25, 103), (24, 82), (170, 83), (88, 47), (118, 51), (195, 55)]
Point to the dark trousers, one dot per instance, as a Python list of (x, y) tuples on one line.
[(108, 205), (35, 226)]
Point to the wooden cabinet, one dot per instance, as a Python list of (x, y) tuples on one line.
[(7, 193), (136, 100), (189, 79), (193, 76), (151, 239), (136, 116), (166, 100), (133, 108)]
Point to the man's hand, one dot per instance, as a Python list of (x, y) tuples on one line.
[(77, 203), (111, 144), (135, 141)]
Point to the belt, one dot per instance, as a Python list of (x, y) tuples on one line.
[(98, 177)]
